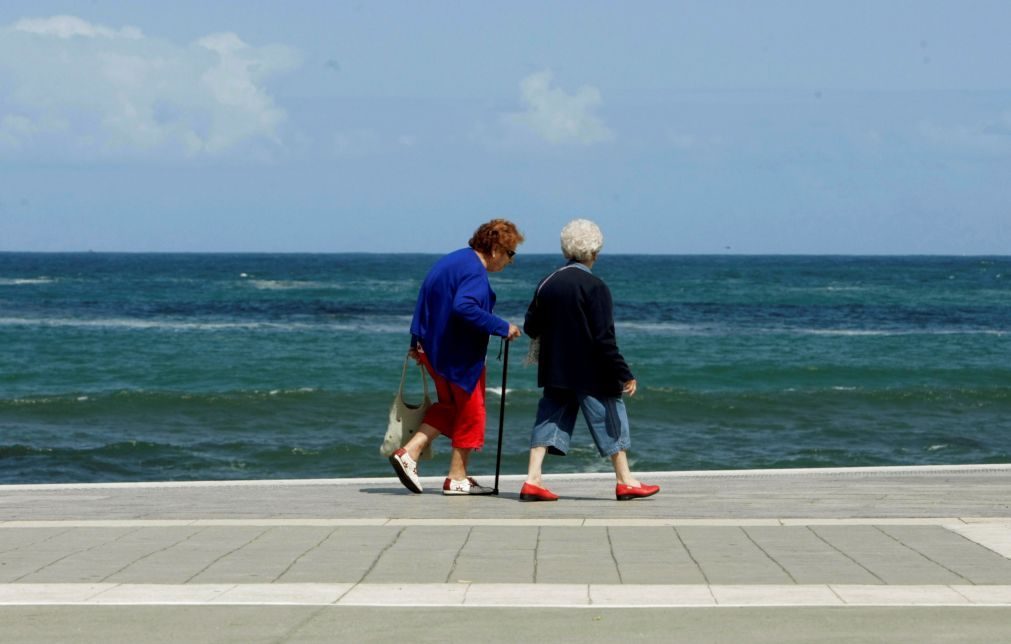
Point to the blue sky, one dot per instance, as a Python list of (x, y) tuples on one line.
[(681, 127)]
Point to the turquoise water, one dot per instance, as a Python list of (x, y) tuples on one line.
[(122, 367)]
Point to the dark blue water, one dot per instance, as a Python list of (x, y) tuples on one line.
[(117, 367)]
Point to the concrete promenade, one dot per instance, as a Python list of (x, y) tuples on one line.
[(861, 555)]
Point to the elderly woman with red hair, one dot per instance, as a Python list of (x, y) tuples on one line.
[(452, 322)]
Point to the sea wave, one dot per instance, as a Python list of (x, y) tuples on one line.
[(668, 398), (126, 395), (902, 332), (294, 285), (685, 329), (399, 324), (354, 285), (391, 325), (235, 404), (25, 281), (809, 398), (671, 328), (167, 460)]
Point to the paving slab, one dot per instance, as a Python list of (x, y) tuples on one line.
[(810, 547)]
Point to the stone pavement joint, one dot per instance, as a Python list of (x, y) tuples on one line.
[(907, 537)]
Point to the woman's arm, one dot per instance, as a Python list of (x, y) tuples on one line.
[(600, 314), (469, 303)]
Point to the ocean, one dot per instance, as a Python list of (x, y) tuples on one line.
[(142, 367)]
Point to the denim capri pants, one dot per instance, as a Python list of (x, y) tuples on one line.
[(556, 418)]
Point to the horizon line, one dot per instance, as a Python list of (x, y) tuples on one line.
[(531, 254)]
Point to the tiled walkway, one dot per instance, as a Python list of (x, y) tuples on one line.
[(829, 539)]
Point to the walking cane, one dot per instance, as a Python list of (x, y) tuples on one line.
[(501, 414)]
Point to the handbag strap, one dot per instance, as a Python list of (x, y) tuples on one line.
[(403, 377), (548, 278)]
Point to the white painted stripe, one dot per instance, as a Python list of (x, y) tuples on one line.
[(290, 594), (502, 595), (901, 596), (778, 595), (175, 523), (488, 522), (519, 478), (874, 521), (995, 531), (995, 535), (131, 594), (18, 594), (638, 595), (652, 523), (562, 595)]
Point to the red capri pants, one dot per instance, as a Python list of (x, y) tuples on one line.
[(459, 415)]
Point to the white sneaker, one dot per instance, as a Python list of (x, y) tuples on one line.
[(407, 469), (466, 486)]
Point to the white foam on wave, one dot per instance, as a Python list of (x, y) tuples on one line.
[(294, 285), (498, 391), (129, 324), (290, 392), (897, 332), (352, 285), (134, 324), (25, 281), (393, 324), (850, 332), (669, 328), (681, 329)]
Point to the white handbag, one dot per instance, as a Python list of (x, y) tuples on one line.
[(405, 419)]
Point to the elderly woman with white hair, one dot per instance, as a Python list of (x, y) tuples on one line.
[(579, 366)]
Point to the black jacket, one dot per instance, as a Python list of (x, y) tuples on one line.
[(573, 317)]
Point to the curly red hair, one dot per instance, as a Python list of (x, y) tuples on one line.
[(497, 232)]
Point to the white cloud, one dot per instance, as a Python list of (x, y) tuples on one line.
[(80, 90), (14, 129), (17, 130), (70, 26), (558, 117)]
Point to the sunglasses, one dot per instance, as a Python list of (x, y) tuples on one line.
[(510, 253)]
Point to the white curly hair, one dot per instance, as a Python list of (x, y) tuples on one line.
[(581, 240)]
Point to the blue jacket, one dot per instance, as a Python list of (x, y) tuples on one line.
[(453, 317)]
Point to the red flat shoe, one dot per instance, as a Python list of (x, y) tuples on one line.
[(629, 492), (533, 493)]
